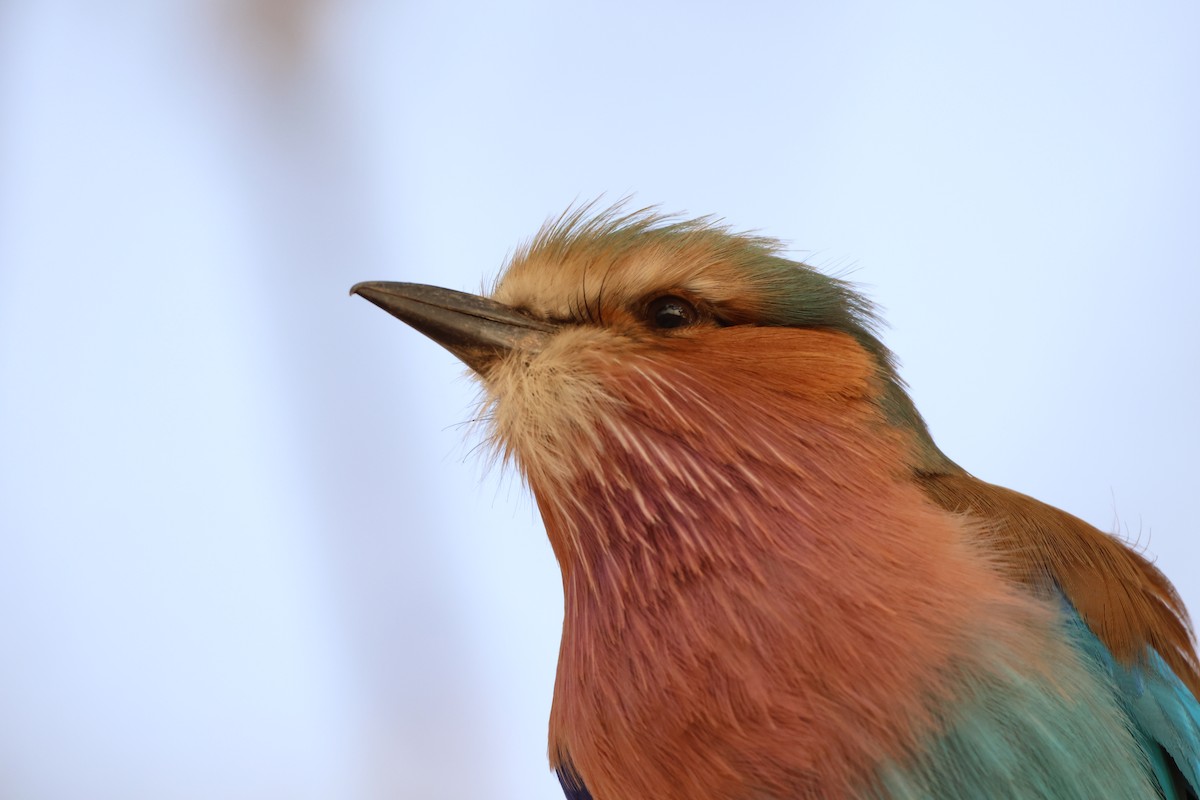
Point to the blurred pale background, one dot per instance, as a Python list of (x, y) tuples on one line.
[(245, 548)]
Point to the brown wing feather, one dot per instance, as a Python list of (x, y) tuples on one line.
[(1126, 601)]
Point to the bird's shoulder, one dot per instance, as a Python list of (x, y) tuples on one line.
[(1124, 615)]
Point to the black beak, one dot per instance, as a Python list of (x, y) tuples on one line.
[(474, 328)]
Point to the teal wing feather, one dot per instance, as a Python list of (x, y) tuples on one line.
[(1164, 713)]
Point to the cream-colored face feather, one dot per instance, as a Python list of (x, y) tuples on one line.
[(565, 289), (599, 275), (544, 407)]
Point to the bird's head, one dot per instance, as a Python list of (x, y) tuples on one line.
[(624, 351)]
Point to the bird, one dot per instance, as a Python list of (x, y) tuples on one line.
[(775, 584)]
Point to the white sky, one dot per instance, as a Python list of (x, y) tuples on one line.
[(245, 549)]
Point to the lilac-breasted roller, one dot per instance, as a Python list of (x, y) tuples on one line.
[(776, 586)]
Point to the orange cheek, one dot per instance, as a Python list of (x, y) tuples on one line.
[(784, 369)]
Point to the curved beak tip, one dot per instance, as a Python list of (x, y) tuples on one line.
[(355, 289)]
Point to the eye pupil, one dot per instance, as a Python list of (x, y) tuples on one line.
[(671, 312)]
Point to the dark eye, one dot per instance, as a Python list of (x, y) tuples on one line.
[(670, 311)]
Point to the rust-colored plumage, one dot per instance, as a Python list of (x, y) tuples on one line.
[(1126, 601), (775, 584), (815, 552)]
